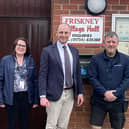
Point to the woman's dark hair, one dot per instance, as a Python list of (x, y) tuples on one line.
[(27, 45)]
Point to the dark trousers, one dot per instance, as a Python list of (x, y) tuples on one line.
[(19, 112)]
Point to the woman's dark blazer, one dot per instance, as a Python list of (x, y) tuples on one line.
[(7, 67)]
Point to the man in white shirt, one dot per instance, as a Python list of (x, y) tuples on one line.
[(60, 80)]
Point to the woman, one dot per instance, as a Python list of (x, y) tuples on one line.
[(18, 84)]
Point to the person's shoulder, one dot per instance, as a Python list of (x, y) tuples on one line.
[(48, 48), (99, 55), (123, 56), (28, 57), (7, 57), (72, 47)]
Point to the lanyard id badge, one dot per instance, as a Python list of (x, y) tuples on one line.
[(22, 84)]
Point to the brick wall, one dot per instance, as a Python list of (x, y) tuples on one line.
[(80, 116)]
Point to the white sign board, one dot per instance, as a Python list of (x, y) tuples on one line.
[(85, 29)]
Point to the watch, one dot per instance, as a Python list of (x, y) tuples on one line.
[(95, 7)]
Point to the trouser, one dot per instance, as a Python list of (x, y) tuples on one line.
[(58, 113), (19, 112)]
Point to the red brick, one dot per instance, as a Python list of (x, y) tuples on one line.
[(61, 1), (124, 12), (57, 6), (56, 17), (82, 6), (98, 50), (57, 22), (70, 6), (109, 7), (107, 23), (108, 12), (119, 7), (77, 1), (78, 12), (59, 12), (107, 28), (124, 1), (108, 18), (113, 1)]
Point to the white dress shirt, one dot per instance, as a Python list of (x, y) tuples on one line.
[(61, 53)]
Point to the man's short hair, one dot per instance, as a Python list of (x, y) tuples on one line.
[(110, 34), (63, 24)]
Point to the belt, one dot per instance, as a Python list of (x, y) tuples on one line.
[(68, 88)]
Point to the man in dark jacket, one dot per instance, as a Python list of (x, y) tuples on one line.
[(59, 81), (109, 75)]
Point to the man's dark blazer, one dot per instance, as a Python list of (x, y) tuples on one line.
[(51, 77)]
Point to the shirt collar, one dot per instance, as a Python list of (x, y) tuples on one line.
[(60, 45), (106, 57)]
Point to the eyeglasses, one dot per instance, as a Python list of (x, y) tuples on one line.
[(20, 45), (61, 32)]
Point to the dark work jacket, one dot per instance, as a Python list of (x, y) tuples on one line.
[(107, 73), (7, 67)]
